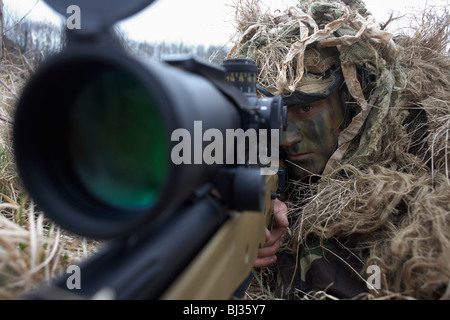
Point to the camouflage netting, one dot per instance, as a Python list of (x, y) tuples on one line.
[(386, 188)]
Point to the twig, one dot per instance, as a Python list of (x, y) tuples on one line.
[(15, 24), (390, 19), (8, 121), (9, 89)]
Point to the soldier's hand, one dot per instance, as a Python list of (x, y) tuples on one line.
[(267, 254)]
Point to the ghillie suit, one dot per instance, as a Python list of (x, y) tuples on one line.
[(383, 200)]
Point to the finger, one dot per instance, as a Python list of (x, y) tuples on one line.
[(268, 235), (280, 213), (264, 262), (274, 236), (269, 251)]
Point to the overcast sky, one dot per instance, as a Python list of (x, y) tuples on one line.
[(199, 21)]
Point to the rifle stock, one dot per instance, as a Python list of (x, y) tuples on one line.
[(227, 259)]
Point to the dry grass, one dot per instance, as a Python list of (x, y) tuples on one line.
[(32, 249)]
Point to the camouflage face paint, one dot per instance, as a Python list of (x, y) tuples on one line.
[(312, 134)]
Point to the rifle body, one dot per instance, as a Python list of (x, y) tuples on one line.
[(226, 261), (204, 252)]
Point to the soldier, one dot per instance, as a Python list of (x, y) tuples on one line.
[(368, 198)]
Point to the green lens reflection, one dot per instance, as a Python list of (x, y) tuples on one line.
[(118, 142)]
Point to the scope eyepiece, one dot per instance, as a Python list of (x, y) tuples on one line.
[(266, 113)]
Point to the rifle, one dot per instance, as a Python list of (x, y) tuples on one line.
[(115, 148)]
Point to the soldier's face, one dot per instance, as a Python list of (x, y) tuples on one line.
[(312, 134)]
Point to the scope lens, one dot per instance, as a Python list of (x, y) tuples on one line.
[(117, 140)]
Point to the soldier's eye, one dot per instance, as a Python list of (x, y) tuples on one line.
[(306, 108), (301, 110)]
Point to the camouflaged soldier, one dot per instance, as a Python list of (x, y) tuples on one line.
[(357, 154), (316, 117)]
